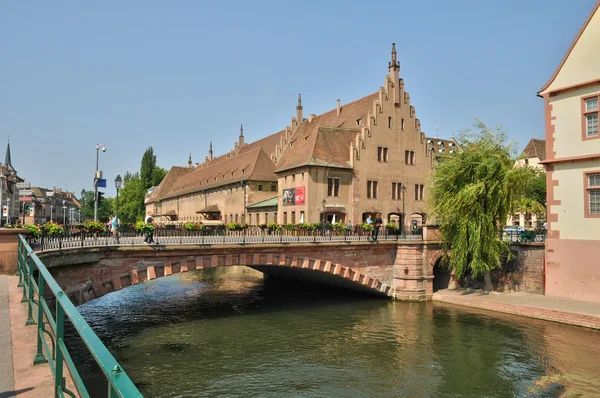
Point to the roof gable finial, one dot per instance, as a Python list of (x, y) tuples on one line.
[(241, 130), (299, 102), (394, 62)]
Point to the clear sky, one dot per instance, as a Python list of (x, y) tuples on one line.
[(176, 74)]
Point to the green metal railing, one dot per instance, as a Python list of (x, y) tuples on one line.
[(34, 277)]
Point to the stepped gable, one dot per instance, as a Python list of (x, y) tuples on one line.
[(250, 165), (535, 148), (309, 144), (267, 144), (165, 186)]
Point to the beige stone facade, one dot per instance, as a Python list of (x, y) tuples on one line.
[(571, 99), (342, 165)]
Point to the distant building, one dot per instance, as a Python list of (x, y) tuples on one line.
[(53, 205), (572, 162), (9, 192), (345, 164), (532, 155)]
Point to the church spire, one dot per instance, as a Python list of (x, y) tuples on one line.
[(190, 160), (7, 160), (210, 152)]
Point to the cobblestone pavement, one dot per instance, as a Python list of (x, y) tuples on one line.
[(556, 309)]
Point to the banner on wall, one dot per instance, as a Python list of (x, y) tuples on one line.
[(289, 196), (299, 196)]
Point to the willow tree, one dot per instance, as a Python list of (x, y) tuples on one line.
[(471, 199)]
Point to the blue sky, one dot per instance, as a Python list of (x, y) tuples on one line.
[(175, 75)]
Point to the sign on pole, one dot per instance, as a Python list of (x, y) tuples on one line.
[(5, 211), (25, 192), (23, 185)]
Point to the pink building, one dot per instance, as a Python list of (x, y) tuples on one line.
[(572, 163)]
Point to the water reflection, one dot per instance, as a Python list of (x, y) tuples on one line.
[(219, 334)]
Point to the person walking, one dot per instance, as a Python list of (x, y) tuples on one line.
[(349, 227), (149, 239), (377, 224), (114, 224)]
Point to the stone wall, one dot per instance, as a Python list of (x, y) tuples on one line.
[(525, 272)]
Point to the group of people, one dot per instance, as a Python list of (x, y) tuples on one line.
[(114, 222), (377, 223)]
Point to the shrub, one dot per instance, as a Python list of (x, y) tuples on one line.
[(34, 230), (93, 226), (367, 227), (145, 228), (193, 226), (338, 226), (54, 229), (233, 226), (273, 226), (289, 226)]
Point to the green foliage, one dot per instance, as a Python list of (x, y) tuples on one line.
[(471, 197), (234, 226), (33, 229), (289, 226), (92, 226), (338, 226), (273, 226), (54, 229), (392, 226), (193, 226), (306, 227), (143, 227), (131, 198), (528, 191), (367, 227)]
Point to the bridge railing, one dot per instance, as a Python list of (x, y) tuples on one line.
[(49, 308), (170, 235)]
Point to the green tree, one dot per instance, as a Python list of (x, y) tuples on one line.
[(104, 210), (471, 199), (529, 191), (150, 173), (131, 198)]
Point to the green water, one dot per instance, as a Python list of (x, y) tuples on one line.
[(235, 337)]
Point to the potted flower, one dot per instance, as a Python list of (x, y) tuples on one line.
[(54, 229)]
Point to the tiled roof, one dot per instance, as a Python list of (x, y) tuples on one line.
[(172, 175), (272, 202), (249, 165), (535, 148), (325, 140)]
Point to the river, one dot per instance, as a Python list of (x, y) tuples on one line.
[(218, 333)]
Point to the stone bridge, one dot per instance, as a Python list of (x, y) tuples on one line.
[(400, 270)]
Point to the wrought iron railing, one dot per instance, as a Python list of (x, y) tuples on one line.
[(49, 308), (170, 235), (522, 235)]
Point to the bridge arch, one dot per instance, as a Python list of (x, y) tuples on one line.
[(104, 270)]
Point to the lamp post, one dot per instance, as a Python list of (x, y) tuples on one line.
[(403, 189), (8, 209), (82, 209), (323, 203), (96, 177), (51, 208), (118, 182), (64, 207)]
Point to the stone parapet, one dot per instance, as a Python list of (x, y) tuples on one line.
[(8, 249)]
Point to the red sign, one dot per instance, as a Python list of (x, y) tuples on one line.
[(299, 195), (26, 198)]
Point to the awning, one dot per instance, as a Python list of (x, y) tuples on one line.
[(212, 223), (170, 213), (209, 209), (265, 203)]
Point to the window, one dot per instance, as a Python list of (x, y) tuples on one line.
[(371, 189), (526, 162), (293, 217), (293, 177), (266, 218), (592, 195), (412, 157), (333, 187), (382, 154), (273, 188), (419, 191), (249, 218), (236, 218), (302, 216), (402, 124), (285, 217), (389, 122), (302, 174), (259, 187), (590, 117), (409, 157), (416, 191), (396, 190)]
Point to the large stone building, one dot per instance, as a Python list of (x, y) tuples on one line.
[(9, 195), (571, 99), (345, 164)]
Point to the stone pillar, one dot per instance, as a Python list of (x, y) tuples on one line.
[(8, 249), (412, 281)]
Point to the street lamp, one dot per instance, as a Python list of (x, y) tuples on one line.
[(403, 189), (51, 207), (64, 207), (323, 203), (118, 182), (96, 177), (8, 209), (82, 208)]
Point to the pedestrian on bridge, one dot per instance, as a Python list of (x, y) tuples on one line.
[(149, 238)]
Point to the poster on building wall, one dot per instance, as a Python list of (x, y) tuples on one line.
[(289, 196), (299, 196)]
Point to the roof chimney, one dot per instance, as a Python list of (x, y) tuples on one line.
[(339, 109), (311, 117)]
